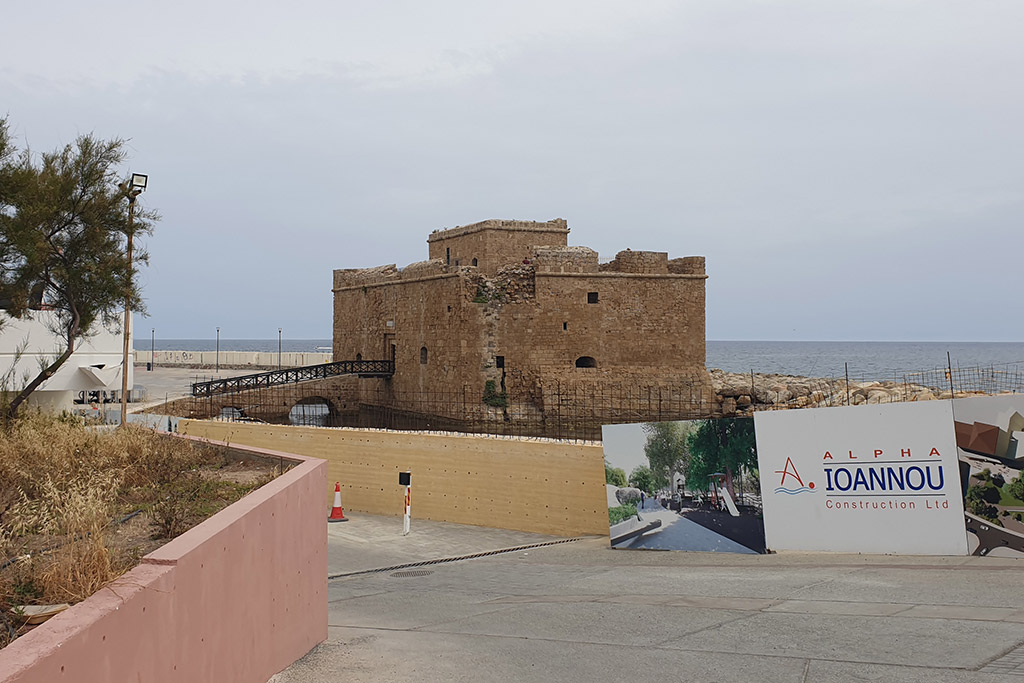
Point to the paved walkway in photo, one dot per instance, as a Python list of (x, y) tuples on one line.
[(581, 611), (679, 533)]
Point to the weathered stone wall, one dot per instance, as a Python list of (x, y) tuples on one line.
[(559, 324), (495, 243)]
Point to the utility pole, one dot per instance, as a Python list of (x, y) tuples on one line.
[(132, 189)]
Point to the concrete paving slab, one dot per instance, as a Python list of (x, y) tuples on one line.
[(723, 602), (410, 610), (370, 656), (974, 613), (896, 640), (994, 588), (864, 609), (707, 581), (547, 599), (372, 541), (592, 622), (583, 612)]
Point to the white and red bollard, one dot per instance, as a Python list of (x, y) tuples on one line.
[(337, 514), (408, 510)]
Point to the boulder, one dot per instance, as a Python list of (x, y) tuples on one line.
[(627, 495)]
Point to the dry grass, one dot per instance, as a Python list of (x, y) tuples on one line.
[(64, 488)]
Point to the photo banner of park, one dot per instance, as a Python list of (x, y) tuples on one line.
[(927, 478), (697, 488)]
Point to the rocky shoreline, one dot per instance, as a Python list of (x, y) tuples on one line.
[(745, 393)]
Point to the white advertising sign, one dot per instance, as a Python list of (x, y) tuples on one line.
[(862, 479)]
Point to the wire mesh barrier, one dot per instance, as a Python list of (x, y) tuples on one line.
[(567, 411), (748, 393), (1006, 378), (576, 410)]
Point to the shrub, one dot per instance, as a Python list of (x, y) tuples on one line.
[(620, 513), (492, 397), (1016, 488), (986, 492), (64, 487), (979, 507)]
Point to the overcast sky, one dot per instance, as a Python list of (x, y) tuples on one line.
[(852, 170)]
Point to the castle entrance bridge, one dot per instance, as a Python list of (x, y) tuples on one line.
[(360, 368), (272, 395)]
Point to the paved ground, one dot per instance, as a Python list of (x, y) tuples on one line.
[(173, 382), (582, 612)]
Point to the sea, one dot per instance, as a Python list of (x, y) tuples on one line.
[(862, 360)]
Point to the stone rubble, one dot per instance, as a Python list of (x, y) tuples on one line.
[(743, 393)]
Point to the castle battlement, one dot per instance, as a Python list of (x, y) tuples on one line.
[(565, 260), (511, 306), (555, 225)]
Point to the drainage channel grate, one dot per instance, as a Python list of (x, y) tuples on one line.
[(1010, 664), (412, 572)]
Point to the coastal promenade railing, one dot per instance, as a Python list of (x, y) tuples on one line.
[(362, 368)]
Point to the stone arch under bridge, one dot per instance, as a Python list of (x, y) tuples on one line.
[(341, 394)]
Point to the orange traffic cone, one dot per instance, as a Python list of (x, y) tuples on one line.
[(337, 514)]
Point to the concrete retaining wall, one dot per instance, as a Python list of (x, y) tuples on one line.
[(541, 486), (232, 359), (237, 598)]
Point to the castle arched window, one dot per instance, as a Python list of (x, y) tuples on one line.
[(359, 356), (423, 355), (586, 362), (474, 262)]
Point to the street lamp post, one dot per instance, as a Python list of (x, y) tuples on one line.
[(279, 348), (132, 189), (152, 348), (218, 349)]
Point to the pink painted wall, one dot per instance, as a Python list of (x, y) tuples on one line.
[(237, 598)]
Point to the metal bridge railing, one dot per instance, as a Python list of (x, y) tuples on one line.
[(363, 368)]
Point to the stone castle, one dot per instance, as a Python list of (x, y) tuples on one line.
[(506, 322)]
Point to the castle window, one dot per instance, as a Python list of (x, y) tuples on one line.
[(586, 362), (565, 326), (359, 356), (591, 297), (448, 256), (474, 262), (423, 355), (499, 361)]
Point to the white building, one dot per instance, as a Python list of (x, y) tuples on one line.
[(94, 366)]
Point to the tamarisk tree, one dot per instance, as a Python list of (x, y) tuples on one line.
[(63, 226)]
